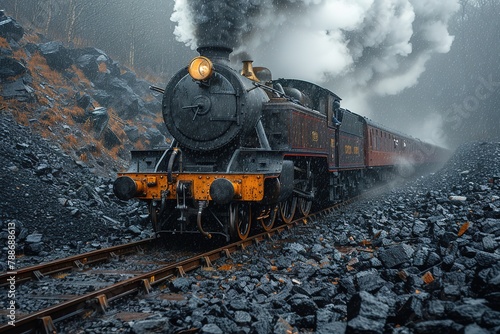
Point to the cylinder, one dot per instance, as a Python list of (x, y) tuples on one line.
[(124, 188), (222, 191)]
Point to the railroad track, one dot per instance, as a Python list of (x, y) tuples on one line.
[(98, 300), (74, 262)]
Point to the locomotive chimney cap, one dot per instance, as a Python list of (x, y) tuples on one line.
[(215, 51)]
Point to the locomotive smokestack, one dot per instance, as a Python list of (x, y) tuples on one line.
[(248, 71), (215, 52)]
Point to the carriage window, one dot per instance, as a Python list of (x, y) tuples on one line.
[(322, 106)]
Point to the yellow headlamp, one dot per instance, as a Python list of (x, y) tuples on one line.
[(200, 68)]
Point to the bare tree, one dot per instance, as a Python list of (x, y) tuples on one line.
[(75, 10)]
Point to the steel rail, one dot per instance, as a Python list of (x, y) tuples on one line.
[(98, 300), (72, 262)]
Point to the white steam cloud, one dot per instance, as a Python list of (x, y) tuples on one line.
[(357, 48)]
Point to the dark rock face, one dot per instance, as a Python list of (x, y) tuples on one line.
[(18, 89), (57, 56), (9, 28), (88, 64), (10, 67), (102, 83), (83, 101), (132, 132), (100, 120), (155, 137)]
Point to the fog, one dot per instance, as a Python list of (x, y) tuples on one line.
[(426, 68)]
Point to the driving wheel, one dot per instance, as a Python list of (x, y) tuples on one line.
[(239, 220)]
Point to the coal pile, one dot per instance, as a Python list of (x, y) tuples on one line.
[(422, 258), (59, 205)]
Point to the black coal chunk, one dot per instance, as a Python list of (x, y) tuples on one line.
[(151, 325), (181, 284), (487, 280), (364, 325), (366, 314), (369, 280), (437, 326), (469, 313), (395, 255), (413, 309), (485, 259), (33, 248), (303, 305)]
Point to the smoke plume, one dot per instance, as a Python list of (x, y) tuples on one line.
[(357, 48)]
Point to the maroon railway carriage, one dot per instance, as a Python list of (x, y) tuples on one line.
[(389, 151), (388, 148), (355, 151)]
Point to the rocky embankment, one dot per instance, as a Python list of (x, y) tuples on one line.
[(69, 117), (423, 258), (59, 205)]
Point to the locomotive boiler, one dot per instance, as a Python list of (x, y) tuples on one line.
[(249, 150)]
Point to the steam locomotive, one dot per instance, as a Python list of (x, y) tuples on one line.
[(249, 150)]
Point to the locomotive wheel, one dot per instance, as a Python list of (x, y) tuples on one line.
[(305, 206), (239, 220), (267, 216), (287, 209), (308, 187)]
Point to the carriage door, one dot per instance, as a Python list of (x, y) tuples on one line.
[(333, 134)]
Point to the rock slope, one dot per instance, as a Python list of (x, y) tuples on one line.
[(69, 117)]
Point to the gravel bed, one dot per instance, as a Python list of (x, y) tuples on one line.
[(59, 205), (423, 258), (50, 290)]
